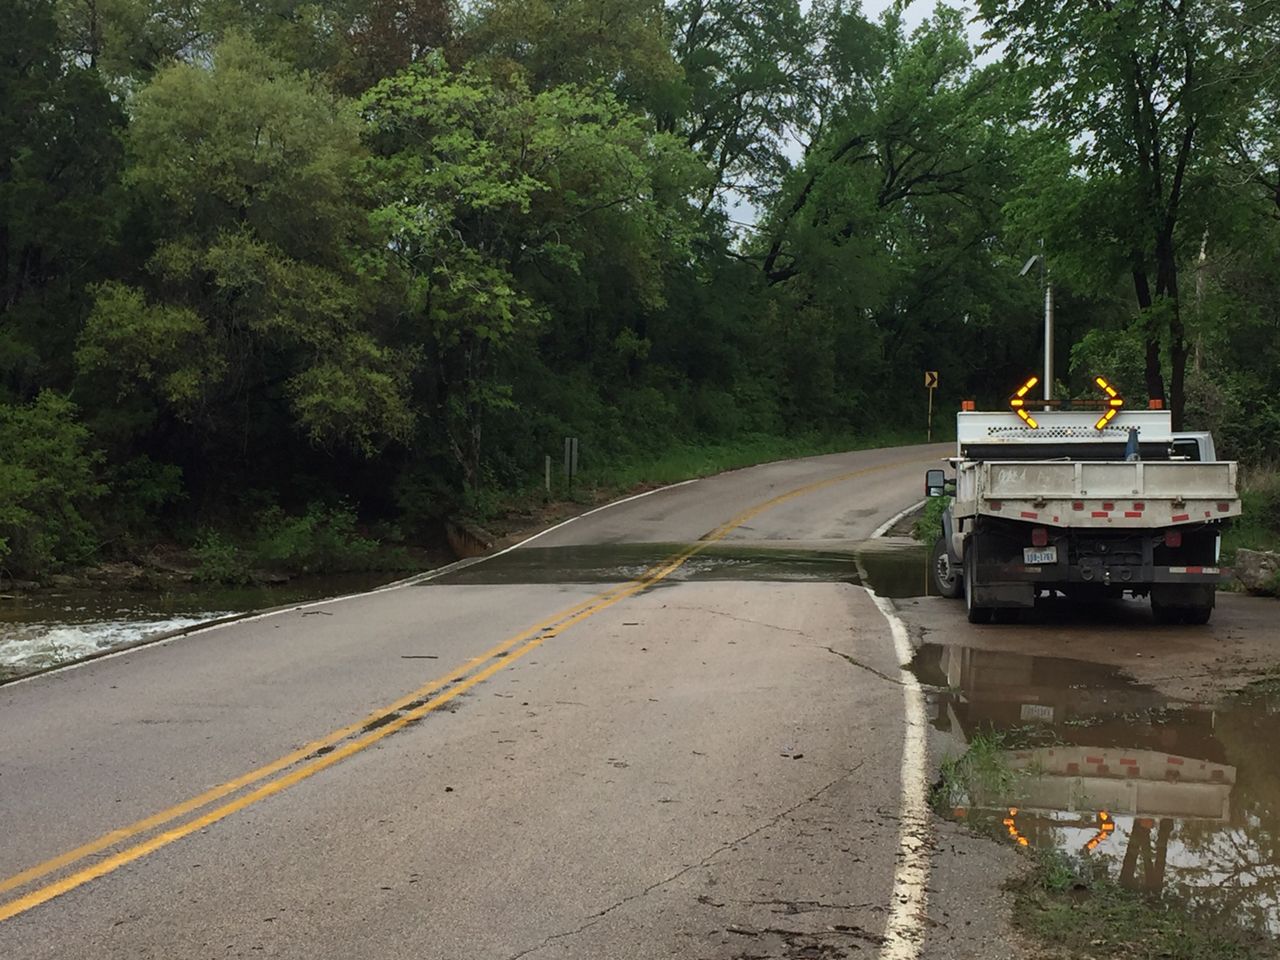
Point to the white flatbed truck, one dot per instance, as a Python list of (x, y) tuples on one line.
[(1088, 510)]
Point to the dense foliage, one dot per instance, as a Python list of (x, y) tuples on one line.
[(374, 258)]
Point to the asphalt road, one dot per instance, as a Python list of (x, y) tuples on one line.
[(647, 753)]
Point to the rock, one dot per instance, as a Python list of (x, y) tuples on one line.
[(121, 576), (19, 586), (63, 581), (178, 565), (467, 539), (1258, 571), (268, 577)]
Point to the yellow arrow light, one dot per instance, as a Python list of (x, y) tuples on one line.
[(1018, 402), (1114, 402)]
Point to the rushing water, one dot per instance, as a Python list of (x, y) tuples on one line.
[(49, 627)]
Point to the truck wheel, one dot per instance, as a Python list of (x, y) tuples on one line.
[(975, 614), (1163, 614), (944, 574), (1197, 616)]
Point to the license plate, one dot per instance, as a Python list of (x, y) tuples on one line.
[(1037, 711), (1034, 556)]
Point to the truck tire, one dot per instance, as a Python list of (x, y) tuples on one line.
[(943, 574), (1196, 616), (975, 614)]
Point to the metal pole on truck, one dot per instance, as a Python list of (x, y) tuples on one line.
[(1048, 318), (1048, 335)]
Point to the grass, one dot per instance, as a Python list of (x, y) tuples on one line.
[(1258, 526), (685, 461), (980, 772), (1076, 911), (599, 483)]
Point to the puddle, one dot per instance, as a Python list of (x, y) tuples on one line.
[(620, 562), (1166, 796)]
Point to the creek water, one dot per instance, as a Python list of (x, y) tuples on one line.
[(1168, 797), (47, 627)]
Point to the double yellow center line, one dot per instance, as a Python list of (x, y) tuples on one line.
[(334, 747)]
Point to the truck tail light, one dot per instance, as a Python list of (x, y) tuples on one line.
[(1039, 537), (1173, 538)]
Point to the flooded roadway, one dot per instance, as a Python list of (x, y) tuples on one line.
[(46, 628)]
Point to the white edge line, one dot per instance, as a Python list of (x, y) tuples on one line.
[(888, 524), (165, 639), (905, 927)]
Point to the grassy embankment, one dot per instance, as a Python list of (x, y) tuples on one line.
[(607, 480), (1258, 527), (1069, 905)]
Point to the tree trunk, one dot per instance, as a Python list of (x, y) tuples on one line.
[(1178, 350), (1154, 377), (1167, 289)]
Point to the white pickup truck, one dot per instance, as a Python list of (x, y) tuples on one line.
[(1066, 506)]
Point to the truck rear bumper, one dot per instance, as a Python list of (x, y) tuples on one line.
[(1115, 575), (1014, 586)]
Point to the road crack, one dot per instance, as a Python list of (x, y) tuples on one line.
[(706, 861), (853, 662), (746, 620)]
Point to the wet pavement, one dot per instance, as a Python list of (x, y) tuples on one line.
[(1166, 796), (893, 568)]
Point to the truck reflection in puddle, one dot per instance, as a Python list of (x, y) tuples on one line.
[(1166, 796)]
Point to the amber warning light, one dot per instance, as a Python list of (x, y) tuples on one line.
[(1019, 402), (1114, 402)]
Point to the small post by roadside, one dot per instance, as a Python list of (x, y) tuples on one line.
[(547, 466), (931, 384), (570, 460)]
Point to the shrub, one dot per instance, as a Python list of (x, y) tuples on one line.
[(928, 526), (47, 479), (322, 540), (221, 561)]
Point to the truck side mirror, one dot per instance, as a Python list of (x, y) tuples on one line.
[(935, 483)]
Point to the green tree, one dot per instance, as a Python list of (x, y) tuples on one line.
[(249, 322), (60, 158), (487, 192), (746, 66), (47, 481), (885, 241), (621, 44), (1145, 91)]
